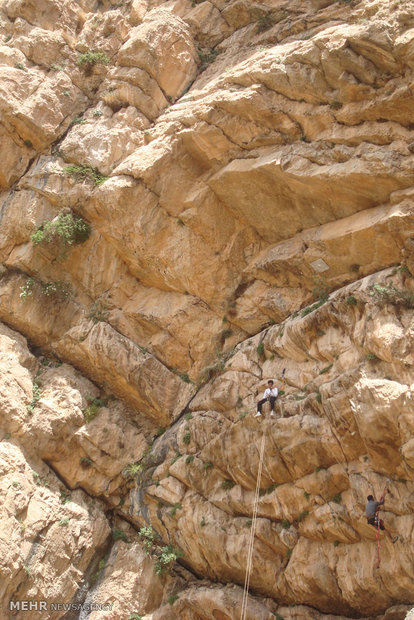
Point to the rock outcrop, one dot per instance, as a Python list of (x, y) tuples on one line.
[(194, 196)]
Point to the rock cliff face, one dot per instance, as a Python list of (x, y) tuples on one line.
[(194, 197)]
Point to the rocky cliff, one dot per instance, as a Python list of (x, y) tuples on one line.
[(196, 196)]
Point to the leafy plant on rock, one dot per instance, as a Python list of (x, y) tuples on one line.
[(85, 173)]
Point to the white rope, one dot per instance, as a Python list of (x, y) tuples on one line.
[(252, 534)]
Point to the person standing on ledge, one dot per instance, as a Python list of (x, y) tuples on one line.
[(371, 511), (270, 394)]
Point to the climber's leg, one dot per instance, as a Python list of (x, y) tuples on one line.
[(272, 400), (259, 407)]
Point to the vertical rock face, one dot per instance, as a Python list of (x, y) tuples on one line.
[(195, 197)]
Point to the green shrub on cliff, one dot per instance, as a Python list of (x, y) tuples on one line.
[(66, 229)]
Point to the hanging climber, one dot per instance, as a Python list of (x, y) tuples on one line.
[(371, 511), (270, 394)]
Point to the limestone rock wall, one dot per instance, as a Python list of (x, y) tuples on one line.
[(246, 171)]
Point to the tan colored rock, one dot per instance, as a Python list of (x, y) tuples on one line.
[(149, 47)]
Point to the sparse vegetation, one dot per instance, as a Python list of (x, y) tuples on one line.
[(336, 543), (92, 409), (306, 495), (78, 120), (207, 466), (99, 311), (203, 522), (135, 617), (120, 535), (169, 555), (88, 59), (149, 537), (36, 394), (160, 431), (57, 289), (85, 173), (371, 357), (189, 459), (393, 295), (206, 57), (171, 599), (326, 369), (85, 462), (337, 498), (20, 65), (335, 105), (174, 509), (260, 349), (187, 437), (302, 515), (184, 377), (286, 524), (64, 522), (188, 415), (133, 470), (177, 456), (351, 301), (227, 484), (313, 307)]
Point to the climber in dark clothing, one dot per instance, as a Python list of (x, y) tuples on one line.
[(371, 511)]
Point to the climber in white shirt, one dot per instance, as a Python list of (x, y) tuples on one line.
[(270, 394)]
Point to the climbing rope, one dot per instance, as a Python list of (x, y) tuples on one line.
[(378, 531), (252, 534)]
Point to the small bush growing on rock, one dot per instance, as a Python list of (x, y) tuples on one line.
[(326, 369), (336, 543), (313, 307), (351, 301), (99, 311), (371, 357), (56, 288), (260, 349), (135, 617), (188, 415), (393, 295), (227, 484), (171, 599), (92, 409), (36, 393), (189, 459), (203, 522), (85, 462), (184, 377), (207, 466), (177, 456), (337, 498), (88, 59), (206, 57), (85, 173), (286, 524), (174, 509), (64, 522), (169, 554), (269, 19), (133, 470), (187, 437), (27, 288), (149, 536), (120, 535)]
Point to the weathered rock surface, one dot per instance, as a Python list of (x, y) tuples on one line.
[(246, 170)]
